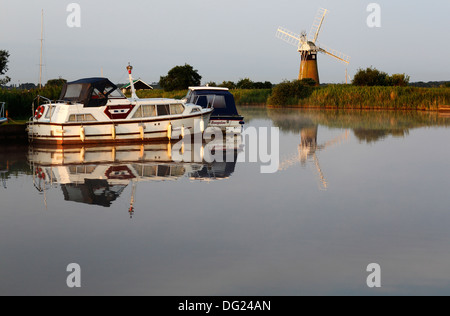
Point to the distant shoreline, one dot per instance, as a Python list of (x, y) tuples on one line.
[(330, 97)]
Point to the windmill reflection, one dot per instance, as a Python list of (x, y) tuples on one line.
[(99, 175), (308, 149)]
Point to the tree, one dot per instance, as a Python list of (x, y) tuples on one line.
[(228, 84), (4, 55), (245, 84), (56, 83), (399, 80), (371, 77), (180, 78)]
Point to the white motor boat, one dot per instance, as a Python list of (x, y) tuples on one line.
[(94, 111)]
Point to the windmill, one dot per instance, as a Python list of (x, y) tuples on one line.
[(308, 48)]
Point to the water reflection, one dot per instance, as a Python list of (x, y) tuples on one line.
[(367, 126), (98, 175), (257, 234)]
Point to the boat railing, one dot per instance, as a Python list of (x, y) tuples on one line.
[(2, 109)]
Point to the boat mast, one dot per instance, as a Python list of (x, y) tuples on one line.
[(42, 39)]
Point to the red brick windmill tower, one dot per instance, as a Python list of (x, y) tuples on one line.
[(308, 48)]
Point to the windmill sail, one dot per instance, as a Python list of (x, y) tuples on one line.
[(317, 25), (335, 54), (288, 36)]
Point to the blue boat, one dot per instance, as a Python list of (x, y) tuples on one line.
[(225, 115)]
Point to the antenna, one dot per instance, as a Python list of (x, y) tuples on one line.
[(42, 39)]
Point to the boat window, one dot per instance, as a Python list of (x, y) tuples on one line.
[(149, 110), (145, 111), (50, 111), (188, 96), (81, 169), (97, 94), (176, 109), (73, 91), (82, 118), (218, 102), (116, 94), (163, 171), (163, 109), (138, 113)]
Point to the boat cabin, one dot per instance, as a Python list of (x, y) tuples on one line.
[(220, 99), (91, 92)]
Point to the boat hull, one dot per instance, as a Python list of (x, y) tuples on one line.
[(116, 132)]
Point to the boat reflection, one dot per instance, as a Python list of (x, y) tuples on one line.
[(99, 175)]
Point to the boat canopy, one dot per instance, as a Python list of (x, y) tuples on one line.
[(221, 100), (92, 92)]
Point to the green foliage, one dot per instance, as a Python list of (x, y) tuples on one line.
[(447, 85), (4, 55), (56, 83), (180, 78), (289, 92), (158, 93), (248, 84), (19, 102), (251, 96), (228, 84), (399, 80), (245, 83), (371, 77), (309, 82)]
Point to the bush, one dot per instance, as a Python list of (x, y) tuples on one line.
[(290, 92), (371, 77), (19, 102), (399, 80)]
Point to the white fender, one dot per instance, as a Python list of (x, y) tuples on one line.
[(141, 131), (82, 134), (182, 131), (169, 131), (202, 126), (113, 131), (82, 153)]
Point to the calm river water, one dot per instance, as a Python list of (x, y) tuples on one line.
[(354, 188)]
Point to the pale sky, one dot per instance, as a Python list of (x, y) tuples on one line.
[(223, 40)]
